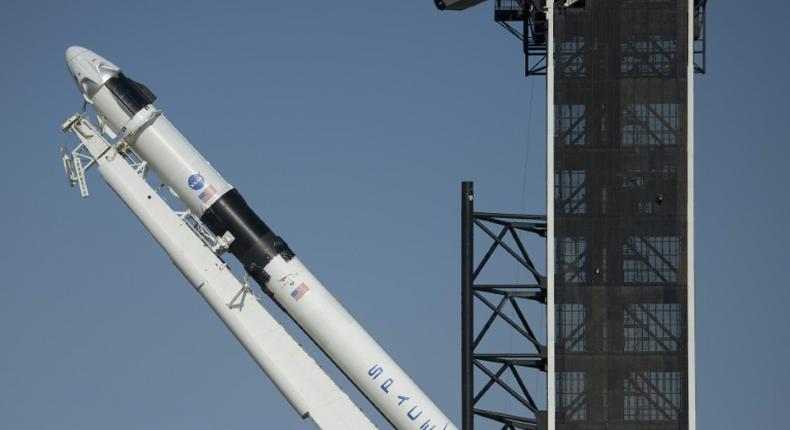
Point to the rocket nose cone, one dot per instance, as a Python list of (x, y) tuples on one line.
[(74, 51), (89, 70)]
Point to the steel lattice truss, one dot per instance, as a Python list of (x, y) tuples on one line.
[(526, 19), (505, 303)]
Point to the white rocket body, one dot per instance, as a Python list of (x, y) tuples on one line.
[(306, 387), (357, 354), (203, 190), (174, 162)]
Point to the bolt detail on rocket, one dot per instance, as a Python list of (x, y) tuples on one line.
[(125, 107)]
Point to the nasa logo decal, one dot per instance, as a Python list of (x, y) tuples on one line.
[(196, 181)]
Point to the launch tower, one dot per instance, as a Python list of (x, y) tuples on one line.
[(620, 215)]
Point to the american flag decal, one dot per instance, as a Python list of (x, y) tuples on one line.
[(207, 193), (299, 291)]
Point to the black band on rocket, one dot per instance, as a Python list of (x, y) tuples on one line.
[(132, 95), (254, 243)]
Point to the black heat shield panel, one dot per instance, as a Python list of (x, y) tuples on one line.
[(620, 215), (132, 95)]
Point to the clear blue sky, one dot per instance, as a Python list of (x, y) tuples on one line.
[(349, 126)]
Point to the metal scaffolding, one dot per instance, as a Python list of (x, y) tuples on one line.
[(621, 228), (492, 301), (526, 19)]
